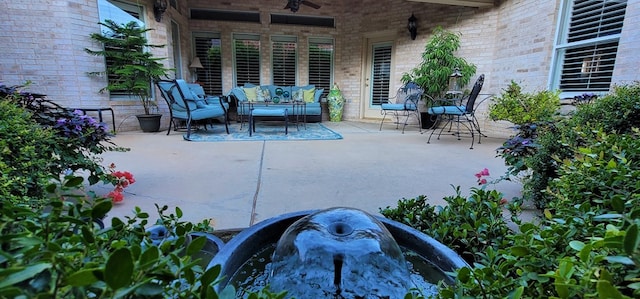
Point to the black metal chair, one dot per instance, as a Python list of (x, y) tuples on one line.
[(404, 103), (461, 114)]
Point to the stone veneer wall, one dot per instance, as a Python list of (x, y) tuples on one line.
[(44, 42)]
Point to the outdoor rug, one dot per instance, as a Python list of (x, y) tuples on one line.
[(269, 130)]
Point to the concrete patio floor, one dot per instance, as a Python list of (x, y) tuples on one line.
[(237, 184)]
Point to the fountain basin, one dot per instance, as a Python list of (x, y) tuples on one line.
[(265, 234)]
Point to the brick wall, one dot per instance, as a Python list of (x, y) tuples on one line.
[(44, 41)]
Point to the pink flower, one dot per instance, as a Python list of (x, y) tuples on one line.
[(503, 201), (485, 172), (119, 180), (482, 181), (116, 196)]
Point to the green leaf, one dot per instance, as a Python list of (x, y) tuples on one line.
[(82, 278), (620, 260), (101, 209), (576, 245), (464, 274), (607, 291), (210, 275), (631, 239), (196, 245), (149, 257), (607, 216), (150, 289), (24, 274), (519, 251), (229, 292), (517, 293), (178, 212), (74, 181), (87, 234), (119, 269)]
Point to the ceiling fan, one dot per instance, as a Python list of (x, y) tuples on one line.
[(294, 5)]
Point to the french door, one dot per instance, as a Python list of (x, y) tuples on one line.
[(378, 76)]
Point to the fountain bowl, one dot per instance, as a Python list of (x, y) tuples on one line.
[(251, 240)]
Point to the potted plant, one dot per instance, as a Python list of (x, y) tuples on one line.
[(438, 63), (131, 69)]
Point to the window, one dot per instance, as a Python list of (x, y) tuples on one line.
[(208, 49), (246, 58), (321, 63), (380, 73), (587, 45), (122, 13), (283, 60)]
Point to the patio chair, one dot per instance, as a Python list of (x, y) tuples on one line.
[(199, 92), (404, 103), (184, 106), (461, 114)]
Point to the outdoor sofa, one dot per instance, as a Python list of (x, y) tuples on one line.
[(276, 97)]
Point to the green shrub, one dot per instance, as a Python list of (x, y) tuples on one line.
[(77, 139), (587, 244), (469, 226), (61, 252), (614, 113), (524, 108), (23, 159)]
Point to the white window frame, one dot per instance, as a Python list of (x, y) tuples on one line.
[(592, 66)]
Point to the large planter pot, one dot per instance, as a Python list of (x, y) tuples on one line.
[(149, 122), (428, 121)]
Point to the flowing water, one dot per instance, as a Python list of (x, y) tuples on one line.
[(253, 275)]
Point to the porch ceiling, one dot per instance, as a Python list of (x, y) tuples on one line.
[(471, 3)]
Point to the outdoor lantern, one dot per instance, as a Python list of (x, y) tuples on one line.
[(412, 26), (454, 84), (195, 65), (159, 7)]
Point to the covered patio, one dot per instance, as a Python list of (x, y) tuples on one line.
[(247, 182)]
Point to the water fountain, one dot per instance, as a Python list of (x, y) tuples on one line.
[(333, 253)]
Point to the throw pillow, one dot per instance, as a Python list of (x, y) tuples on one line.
[(308, 95), (251, 93), (298, 95), (259, 94), (266, 94)]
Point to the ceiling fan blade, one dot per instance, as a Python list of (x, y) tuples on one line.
[(309, 3)]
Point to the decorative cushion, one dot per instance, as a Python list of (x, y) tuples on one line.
[(251, 93), (260, 94), (266, 94), (398, 107), (316, 97), (298, 95), (309, 95), (451, 110)]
